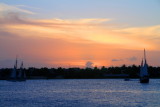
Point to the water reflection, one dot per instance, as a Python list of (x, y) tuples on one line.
[(80, 92)]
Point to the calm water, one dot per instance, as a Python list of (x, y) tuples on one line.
[(80, 93)]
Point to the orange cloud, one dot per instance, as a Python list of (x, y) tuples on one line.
[(92, 30), (62, 42)]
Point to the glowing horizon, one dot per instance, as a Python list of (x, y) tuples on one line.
[(72, 42)]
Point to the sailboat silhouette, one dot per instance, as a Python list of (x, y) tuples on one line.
[(17, 74), (144, 76)]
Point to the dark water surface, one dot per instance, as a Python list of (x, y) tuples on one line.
[(80, 93)]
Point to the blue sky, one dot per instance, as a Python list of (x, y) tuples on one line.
[(129, 12), (103, 32)]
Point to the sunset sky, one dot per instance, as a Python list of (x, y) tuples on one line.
[(73, 33)]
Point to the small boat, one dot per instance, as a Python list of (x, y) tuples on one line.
[(144, 76), (17, 74), (21, 74)]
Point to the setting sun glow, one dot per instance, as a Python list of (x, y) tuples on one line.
[(42, 39)]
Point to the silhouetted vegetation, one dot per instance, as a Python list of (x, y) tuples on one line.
[(83, 73)]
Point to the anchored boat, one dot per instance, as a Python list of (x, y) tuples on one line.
[(144, 76), (17, 74)]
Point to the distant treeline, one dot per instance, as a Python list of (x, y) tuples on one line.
[(83, 73)]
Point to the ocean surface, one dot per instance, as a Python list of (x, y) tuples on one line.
[(80, 93)]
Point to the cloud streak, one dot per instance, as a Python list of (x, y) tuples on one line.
[(72, 41), (4, 8), (93, 30), (132, 58), (117, 60), (78, 30)]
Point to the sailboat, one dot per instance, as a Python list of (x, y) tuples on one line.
[(21, 74), (144, 76), (13, 73), (17, 74)]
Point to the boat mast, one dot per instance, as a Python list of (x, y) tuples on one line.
[(145, 56), (16, 63)]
